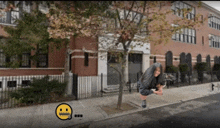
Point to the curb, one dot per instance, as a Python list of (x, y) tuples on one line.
[(139, 109)]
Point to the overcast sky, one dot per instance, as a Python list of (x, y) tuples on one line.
[(214, 4)]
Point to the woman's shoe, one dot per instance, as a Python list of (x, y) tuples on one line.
[(144, 104)]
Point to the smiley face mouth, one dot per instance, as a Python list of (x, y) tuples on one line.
[(64, 114)]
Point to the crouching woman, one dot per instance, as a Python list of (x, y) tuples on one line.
[(151, 82)]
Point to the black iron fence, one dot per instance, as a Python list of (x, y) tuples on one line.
[(10, 84), (187, 78), (106, 85), (101, 85)]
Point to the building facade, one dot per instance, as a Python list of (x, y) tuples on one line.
[(194, 45), (51, 63)]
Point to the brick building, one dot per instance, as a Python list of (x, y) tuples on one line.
[(51, 63), (200, 44), (193, 45)]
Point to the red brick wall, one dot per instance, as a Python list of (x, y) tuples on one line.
[(56, 59), (178, 47), (21, 72), (78, 56)]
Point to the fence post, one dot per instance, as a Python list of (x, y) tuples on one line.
[(137, 82), (189, 78), (101, 85), (129, 82), (75, 86)]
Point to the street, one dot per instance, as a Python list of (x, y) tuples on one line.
[(201, 112), (203, 117)]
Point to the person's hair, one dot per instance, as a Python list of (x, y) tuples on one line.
[(158, 86), (157, 69)]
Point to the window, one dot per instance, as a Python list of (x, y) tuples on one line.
[(26, 82), (203, 40), (155, 59), (113, 57), (186, 35), (2, 58), (42, 57), (70, 62), (0, 84), (10, 17), (214, 41), (135, 58), (43, 7), (3, 18), (26, 60), (26, 6), (14, 16), (178, 7), (182, 35), (86, 60), (11, 84), (214, 22), (202, 19)]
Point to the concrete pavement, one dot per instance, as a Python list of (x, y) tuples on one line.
[(43, 116)]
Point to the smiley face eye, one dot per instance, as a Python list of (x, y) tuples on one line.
[(67, 109), (60, 109)]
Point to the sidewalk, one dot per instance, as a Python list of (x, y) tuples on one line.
[(43, 116)]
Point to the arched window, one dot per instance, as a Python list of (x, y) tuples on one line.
[(182, 58), (219, 60), (169, 58), (208, 60), (215, 60), (189, 61), (199, 58)]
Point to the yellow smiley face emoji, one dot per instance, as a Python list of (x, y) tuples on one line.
[(64, 111)]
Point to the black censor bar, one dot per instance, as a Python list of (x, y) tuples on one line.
[(78, 115)]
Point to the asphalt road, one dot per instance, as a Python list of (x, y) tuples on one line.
[(201, 112), (201, 117)]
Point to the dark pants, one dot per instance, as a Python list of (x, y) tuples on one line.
[(143, 90)]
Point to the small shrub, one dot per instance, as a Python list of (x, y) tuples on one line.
[(216, 70), (216, 67), (202, 66), (172, 69), (40, 91), (183, 67)]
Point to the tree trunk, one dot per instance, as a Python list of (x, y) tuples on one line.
[(66, 68), (122, 81)]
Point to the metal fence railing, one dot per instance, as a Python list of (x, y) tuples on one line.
[(106, 85), (102, 85), (193, 78), (14, 83)]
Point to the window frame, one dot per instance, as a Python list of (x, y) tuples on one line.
[(177, 6), (42, 54), (86, 59)]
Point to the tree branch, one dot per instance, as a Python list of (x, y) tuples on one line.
[(130, 10)]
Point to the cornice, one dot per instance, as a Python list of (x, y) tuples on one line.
[(217, 12)]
